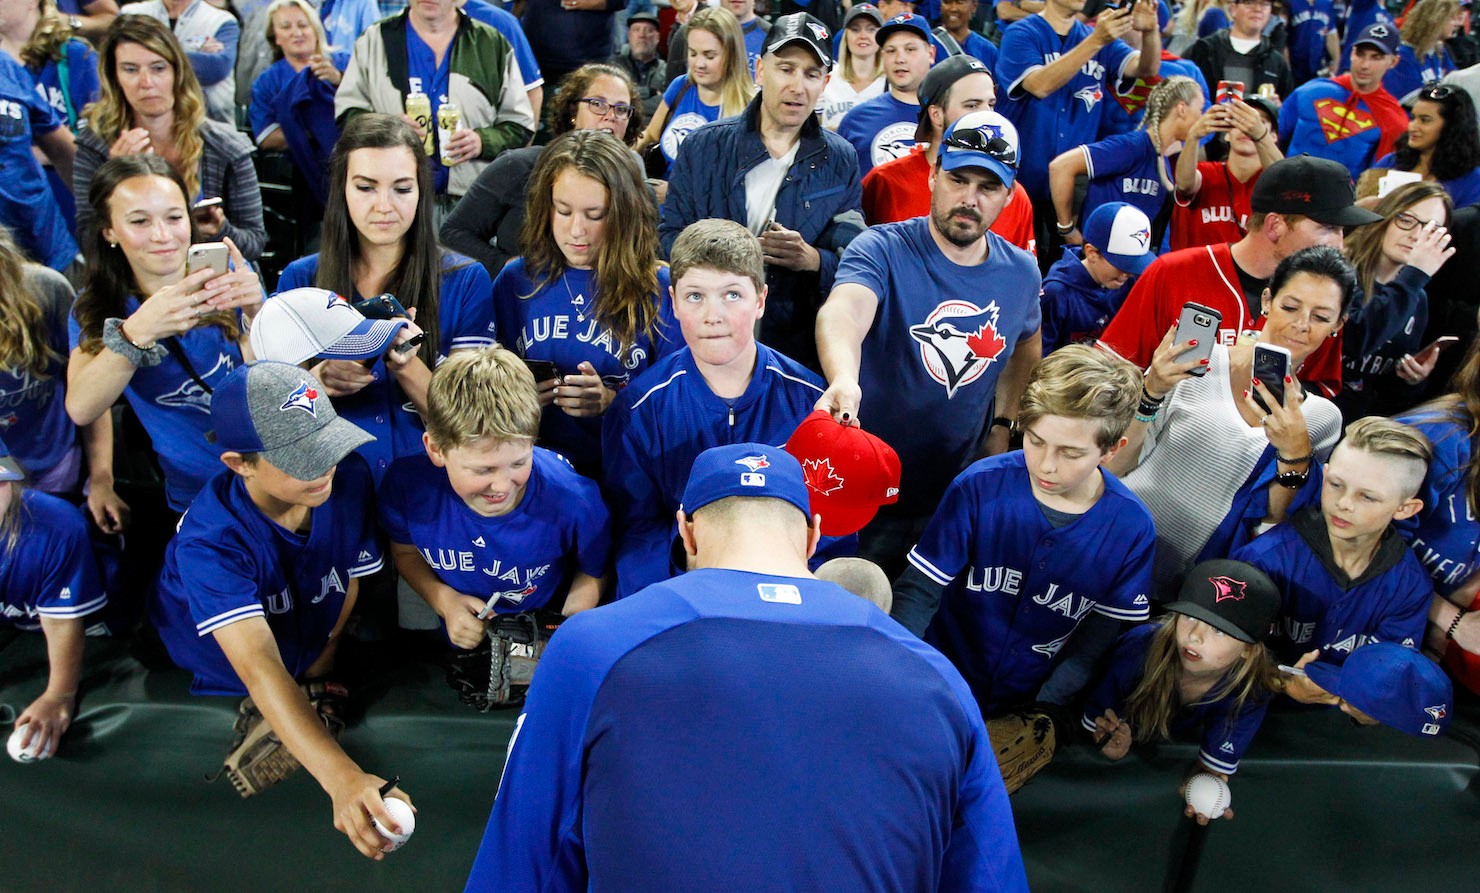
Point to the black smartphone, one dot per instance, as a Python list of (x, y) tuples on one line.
[(382, 307), (1200, 324), (1271, 366), (543, 370)]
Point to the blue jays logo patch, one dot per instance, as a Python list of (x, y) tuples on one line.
[(1090, 96), (1437, 711), (754, 463), (958, 342), (334, 299), (303, 398)]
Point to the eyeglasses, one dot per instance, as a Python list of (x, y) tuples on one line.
[(1407, 222), (600, 107), (1438, 91), (1253, 2), (976, 141)]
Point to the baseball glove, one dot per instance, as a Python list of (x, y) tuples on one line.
[(257, 759), (497, 674), (1023, 743)]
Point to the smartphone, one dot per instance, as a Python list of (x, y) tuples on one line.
[(1292, 671), (1271, 366), (382, 307), (207, 255), (1229, 91), (543, 370), (204, 203), (1201, 324), (1439, 343)]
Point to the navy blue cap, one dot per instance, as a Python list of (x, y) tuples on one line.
[(1382, 35), (746, 469), (1393, 684), (905, 21)]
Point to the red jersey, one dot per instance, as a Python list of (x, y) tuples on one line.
[(1218, 214), (900, 189), (1208, 276)]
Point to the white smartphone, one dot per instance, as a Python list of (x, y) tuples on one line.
[(1293, 671), (208, 255)]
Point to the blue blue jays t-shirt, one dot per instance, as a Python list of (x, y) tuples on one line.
[(524, 559), (689, 114), (421, 63), (1445, 534), (464, 321), (1124, 169), (33, 411), (1068, 117), (556, 324), (941, 335), (979, 47), (1224, 731), (27, 206), (881, 129), (1310, 20), (649, 758), (228, 562), (1016, 586), (51, 570)]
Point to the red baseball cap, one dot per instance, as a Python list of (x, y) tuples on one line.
[(849, 472)]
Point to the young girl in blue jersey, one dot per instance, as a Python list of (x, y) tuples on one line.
[(146, 330), (592, 305), (378, 239), (1201, 671), (48, 581), (1130, 167)]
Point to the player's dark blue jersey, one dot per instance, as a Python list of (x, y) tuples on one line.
[(50, 571)]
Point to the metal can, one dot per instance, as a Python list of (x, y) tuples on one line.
[(1266, 91), (449, 119), (419, 109)]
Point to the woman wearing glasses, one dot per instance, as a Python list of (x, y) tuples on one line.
[(1442, 143), (1394, 258), (486, 224)]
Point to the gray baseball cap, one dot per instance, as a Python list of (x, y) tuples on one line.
[(282, 412)]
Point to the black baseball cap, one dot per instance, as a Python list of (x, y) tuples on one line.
[(1317, 188), (943, 75), (802, 28), (1233, 597)]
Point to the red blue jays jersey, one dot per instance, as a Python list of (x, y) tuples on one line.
[(228, 563), (51, 570), (519, 561), (1225, 732), (1016, 586), (1068, 117), (1322, 609), (655, 755)]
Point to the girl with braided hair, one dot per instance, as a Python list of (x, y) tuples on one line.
[(1130, 167)]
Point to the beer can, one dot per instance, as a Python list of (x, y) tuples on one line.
[(449, 119), (1266, 91), (419, 109)]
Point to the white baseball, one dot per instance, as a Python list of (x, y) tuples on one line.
[(1208, 795), (20, 754), (400, 810)]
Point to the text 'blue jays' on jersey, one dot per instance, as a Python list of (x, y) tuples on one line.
[(526, 558), (1225, 732), (1125, 168), (684, 738), (229, 562), (1015, 586), (51, 570)]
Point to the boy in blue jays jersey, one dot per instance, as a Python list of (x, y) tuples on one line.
[(868, 769), (486, 522), (1086, 287), (1346, 575), (1025, 545), (723, 387), (264, 571)]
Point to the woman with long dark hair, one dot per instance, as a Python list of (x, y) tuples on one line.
[(1442, 142)]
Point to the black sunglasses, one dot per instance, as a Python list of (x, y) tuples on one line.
[(976, 141), (1437, 91)]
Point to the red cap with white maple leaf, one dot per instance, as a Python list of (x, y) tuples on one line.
[(849, 472)]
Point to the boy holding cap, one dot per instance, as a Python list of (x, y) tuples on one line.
[(1351, 118), (259, 581), (1387, 683), (1085, 287)]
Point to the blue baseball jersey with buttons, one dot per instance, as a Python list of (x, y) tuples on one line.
[(1310, 22), (881, 129), (1015, 586), (1068, 117), (655, 754), (1444, 535), (1224, 730), (1124, 168), (554, 322), (51, 570), (525, 558), (655, 429), (465, 320), (229, 562), (1388, 603)]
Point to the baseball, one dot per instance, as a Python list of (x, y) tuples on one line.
[(400, 810), (30, 754), (1208, 795)]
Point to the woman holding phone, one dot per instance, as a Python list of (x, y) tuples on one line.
[(378, 239), (1214, 454)]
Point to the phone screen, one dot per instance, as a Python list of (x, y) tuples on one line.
[(1271, 365)]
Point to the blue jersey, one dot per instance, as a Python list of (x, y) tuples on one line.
[(175, 409), (872, 745), (51, 570), (506, 24), (1321, 608), (228, 562), (345, 20), (1068, 117), (1463, 191), (1225, 731), (33, 411), (1404, 79), (1444, 535), (67, 100), (881, 129), (978, 47), (435, 79), (655, 429), (688, 114), (755, 43), (1016, 586), (1125, 168), (27, 206), (1310, 22), (1075, 307), (941, 335), (526, 558), (464, 322), (263, 113), (555, 324)]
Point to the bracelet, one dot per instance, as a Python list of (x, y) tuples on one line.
[(1148, 406), (1261, 138), (1063, 229), (1292, 480), (115, 340), (1449, 633), (1145, 419), (1296, 460), (1001, 421)]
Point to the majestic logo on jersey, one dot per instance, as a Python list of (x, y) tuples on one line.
[(1436, 712), (893, 141), (1226, 747), (820, 476), (1339, 121), (958, 342), (754, 463), (1228, 588), (302, 398), (191, 395), (1090, 96), (364, 556)]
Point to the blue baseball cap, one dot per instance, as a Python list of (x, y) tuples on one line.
[(905, 21), (1122, 233), (1382, 35), (282, 412), (985, 140), (746, 469), (1393, 684), (10, 469)]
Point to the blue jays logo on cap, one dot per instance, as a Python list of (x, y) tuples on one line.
[(1142, 236), (334, 299), (817, 30), (754, 463), (303, 398), (1228, 587), (1437, 711)]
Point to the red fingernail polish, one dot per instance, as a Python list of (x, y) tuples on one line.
[(1246, 393), (1202, 362), (1289, 380), (1193, 342)]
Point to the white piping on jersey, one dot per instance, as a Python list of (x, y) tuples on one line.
[(69, 611), (365, 570), (1238, 293), (658, 387), (795, 379), (929, 569), (1216, 764), (211, 624), (1133, 614)]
